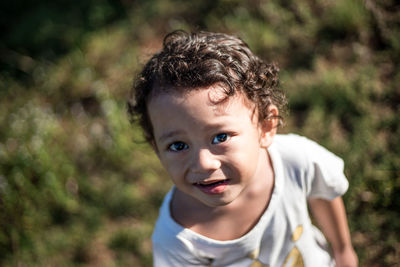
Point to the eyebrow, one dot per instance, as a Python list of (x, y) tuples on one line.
[(169, 134)]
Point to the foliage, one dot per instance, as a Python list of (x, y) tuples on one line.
[(78, 184)]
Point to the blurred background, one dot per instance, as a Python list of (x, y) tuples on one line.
[(78, 184)]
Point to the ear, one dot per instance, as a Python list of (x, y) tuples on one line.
[(268, 127)]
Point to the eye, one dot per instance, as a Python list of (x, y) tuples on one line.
[(220, 138), (178, 146)]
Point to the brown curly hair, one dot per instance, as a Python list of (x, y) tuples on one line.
[(193, 60)]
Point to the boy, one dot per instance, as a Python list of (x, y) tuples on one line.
[(210, 109)]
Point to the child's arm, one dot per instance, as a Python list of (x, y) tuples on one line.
[(331, 217)]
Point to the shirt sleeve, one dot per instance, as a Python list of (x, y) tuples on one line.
[(325, 177)]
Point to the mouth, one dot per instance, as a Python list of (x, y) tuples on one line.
[(212, 187)]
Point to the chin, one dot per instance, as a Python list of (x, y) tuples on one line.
[(219, 202)]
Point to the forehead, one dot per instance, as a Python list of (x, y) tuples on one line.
[(215, 96), (205, 106)]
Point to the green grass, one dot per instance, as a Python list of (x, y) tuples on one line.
[(78, 184)]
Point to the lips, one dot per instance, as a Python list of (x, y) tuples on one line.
[(212, 186)]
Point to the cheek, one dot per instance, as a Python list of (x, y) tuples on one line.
[(173, 167), (247, 157), (243, 159)]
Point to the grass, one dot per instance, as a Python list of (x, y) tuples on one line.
[(78, 184)]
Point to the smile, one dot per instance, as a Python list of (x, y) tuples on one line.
[(212, 187)]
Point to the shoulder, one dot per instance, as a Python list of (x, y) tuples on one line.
[(168, 248), (317, 170), (168, 235), (166, 229), (292, 149), (301, 151), (294, 142), (174, 245)]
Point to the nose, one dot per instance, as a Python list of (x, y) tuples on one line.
[(204, 161)]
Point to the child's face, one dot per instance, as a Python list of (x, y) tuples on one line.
[(212, 152)]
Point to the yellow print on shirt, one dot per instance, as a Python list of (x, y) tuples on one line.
[(293, 259)]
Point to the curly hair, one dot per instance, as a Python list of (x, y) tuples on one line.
[(196, 60)]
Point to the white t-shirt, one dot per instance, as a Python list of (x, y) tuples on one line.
[(284, 235)]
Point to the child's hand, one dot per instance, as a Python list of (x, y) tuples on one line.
[(346, 258)]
